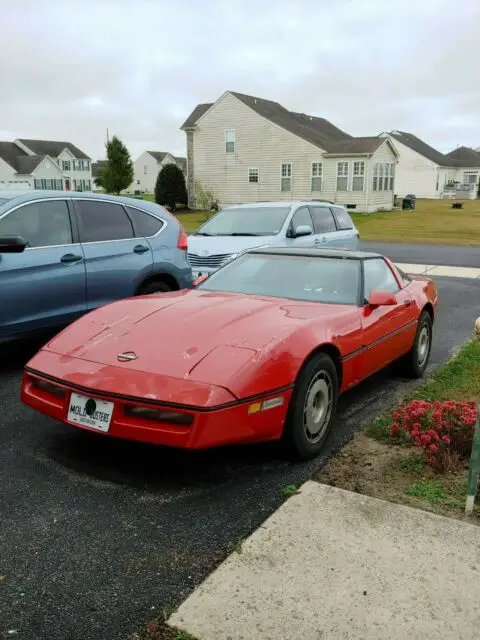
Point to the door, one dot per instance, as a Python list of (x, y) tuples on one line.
[(388, 330), (326, 233), (301, 217), (116, 262), (346, 231), (45, 285)]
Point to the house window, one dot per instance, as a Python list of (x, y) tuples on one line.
[(392, 176), (317, 174), (286, 181), (48, 184), (86, 165), (381, 172), (375, 176), (470, 177), (253, 175), (342, 176), (358, 176), (66, 165), (229, 140)]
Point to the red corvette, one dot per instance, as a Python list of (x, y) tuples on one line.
[(258, 351)]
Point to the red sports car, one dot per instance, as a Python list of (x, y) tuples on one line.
[(258, 351)]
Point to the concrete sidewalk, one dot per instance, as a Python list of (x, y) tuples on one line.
[(332, 564)]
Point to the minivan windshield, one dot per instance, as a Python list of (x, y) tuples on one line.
[(245, 221), (312, 279)]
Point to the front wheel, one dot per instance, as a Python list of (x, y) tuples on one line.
[(416, 360), (312, 408), (157, 286)]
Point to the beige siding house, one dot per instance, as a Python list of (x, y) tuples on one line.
[(247, 149), (427, 173), (44, 164), (147, 167)]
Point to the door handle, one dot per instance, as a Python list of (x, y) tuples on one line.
[(140, 248), (68, 258)]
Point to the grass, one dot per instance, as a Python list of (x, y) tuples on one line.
[(458, 379), (432, 222), (290, 490), (442, 492)]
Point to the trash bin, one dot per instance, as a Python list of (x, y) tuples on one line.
[(409, 202)]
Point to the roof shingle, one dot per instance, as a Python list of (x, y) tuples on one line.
[(424, 149), (317, 131), (10, 153), (52, 148), (464, 157)]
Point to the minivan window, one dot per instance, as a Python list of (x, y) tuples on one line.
[(343, 219), (145, 225), (302, 217), (102, 221), (246, 221), (323, 219), (40, 224)]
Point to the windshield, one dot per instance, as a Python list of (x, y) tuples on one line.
[(246, 221), (328, 280)]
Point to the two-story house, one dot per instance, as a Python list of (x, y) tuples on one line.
[(248, 149), (44, 164), (147, 167)]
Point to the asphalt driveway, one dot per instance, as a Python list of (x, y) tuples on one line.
[(98, 536)]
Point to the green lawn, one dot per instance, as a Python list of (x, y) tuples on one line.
[(432, 222)]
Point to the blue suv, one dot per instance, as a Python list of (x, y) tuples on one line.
[(64, 253)]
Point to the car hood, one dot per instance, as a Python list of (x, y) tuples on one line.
[(221, 245), (174, 334)]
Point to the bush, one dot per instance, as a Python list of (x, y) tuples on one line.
[(170, 187), (444, 430)]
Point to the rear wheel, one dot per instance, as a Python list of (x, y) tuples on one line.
[(416, 360), (156, 286), (312, 408)]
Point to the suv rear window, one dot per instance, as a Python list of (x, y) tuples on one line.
[(344, 221)]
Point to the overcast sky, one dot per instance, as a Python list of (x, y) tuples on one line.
[(70, 70)]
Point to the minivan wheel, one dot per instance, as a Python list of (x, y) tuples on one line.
[(157, 286)]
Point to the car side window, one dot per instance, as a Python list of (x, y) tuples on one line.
[(40, 224), (144, 224), (378, 276), (344, 222), (323, 219), (102, 221), (301, 217)]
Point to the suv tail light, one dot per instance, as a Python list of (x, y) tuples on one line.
[(182, 240)]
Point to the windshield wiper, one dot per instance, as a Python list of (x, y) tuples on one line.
[(202, 233), (238, 233)]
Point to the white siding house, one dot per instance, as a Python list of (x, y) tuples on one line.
[(427, 173), (247, 149), (44, 164), (147, 167)]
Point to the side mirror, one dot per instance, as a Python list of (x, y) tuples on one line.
[(201, 278), (302, 230), (12, 244), (382, 299)]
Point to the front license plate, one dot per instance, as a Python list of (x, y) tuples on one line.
[(196, 274), (90, 412)]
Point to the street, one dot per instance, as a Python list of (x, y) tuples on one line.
[(97, 536), (426, 253)]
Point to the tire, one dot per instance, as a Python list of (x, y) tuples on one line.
[(307, 426), (157, 286), (416, 360)]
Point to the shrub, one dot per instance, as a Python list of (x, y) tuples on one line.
[(170, 187), (444, 430)]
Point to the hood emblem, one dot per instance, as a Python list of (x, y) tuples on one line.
[(125, 357), (205, 252)]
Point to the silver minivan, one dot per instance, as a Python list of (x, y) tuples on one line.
[(306, 223)]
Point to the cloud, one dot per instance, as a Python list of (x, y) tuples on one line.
[(139, 67)]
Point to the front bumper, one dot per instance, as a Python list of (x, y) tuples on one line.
[(233, 422)]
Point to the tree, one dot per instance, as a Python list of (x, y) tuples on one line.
[(117, 174), (170, 187)]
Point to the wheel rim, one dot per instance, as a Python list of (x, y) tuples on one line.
[(423, 347), (318, 405)]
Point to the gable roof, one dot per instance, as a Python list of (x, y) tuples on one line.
[(10, 153), (464, 157), (27, 164), (182, 163), (318, 131), (422, 148), (52, 148)]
